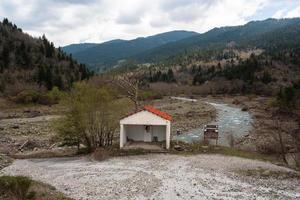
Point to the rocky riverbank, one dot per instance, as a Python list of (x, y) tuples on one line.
[(187, 115)]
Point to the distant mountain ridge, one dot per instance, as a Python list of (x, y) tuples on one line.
[(111, 52), (74, 48), (269, 33), (252, 34)]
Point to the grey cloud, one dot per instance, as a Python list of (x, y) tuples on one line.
[(128, 19), (74, 1), (67, 21), (130, 16), (174, 4), (159, 23)]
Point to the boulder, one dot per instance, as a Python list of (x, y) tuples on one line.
[(245, 108), (178, 148), (291, 159)]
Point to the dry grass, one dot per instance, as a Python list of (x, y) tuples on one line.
[(21, 188), (266, 174), (46, 153), (46, 192), (201, 148)]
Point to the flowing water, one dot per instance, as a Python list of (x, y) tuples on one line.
[(232, 122)]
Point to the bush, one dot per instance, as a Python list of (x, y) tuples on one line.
[(16, 187), (27, 97), (266, 78), (36, 97), (92, 117), (55, 95), (149, 95), (272, 102), (100, 154)]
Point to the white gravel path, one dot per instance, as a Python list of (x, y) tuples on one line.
[(158, 177)]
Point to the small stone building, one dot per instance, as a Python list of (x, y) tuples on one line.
[(147, 125)]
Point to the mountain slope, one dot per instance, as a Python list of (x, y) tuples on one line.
[(255, 32), (109, 53), (75, 48), (27, 62)]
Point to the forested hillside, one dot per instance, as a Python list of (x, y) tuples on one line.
[(109, 53), (34, 63), (74, 48), (260, 57), (271, 35), (267, 34)]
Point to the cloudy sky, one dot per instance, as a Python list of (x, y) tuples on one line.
[(76, 21)]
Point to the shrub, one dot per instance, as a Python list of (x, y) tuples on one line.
[(100, 154), (149, 95), (27, 97), (272, 102), (16, 187), (92, 117), (55, 95), (266, 78), (36, 97)]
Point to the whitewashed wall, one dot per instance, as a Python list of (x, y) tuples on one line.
[(159, 132), (135, 132), (133, 127), (144, 118)]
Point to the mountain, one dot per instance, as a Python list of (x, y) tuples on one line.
[(261, 57), (74, 48), (31, 63), (109, 53), (264, 34), (252, 34)]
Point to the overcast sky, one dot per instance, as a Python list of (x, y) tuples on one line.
[(76, 21)]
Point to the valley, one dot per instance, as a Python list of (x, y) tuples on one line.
[(67, 114)]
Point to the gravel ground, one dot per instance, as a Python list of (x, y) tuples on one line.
[(160, 176)]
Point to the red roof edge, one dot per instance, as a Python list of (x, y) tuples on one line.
[(153, 110), (159, 113)]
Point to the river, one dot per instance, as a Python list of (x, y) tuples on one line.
[(232, 121)]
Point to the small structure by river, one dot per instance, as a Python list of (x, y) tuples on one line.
[(232, 122)]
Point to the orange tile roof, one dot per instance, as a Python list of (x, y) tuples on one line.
[(153, 110), (158, 112)]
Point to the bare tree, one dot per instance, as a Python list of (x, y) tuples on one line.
[(279, 132), (296, 137), (129, 84), (284, 129)]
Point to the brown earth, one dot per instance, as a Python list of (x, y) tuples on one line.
[(186, 115), (27, 131)]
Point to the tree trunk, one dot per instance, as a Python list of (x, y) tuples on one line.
[(282, 147)]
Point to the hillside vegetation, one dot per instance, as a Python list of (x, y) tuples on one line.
[(271, 35), (268, 34), (260, 57), (108, 54), (34, 63)]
